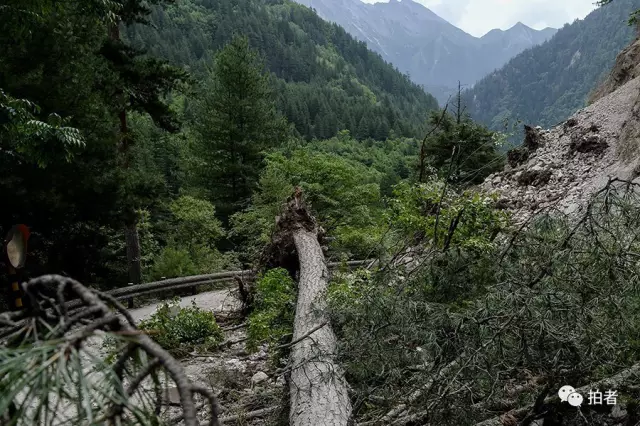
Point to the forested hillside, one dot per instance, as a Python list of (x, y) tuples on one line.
[(125, 168), (545, 84), (325, 80)]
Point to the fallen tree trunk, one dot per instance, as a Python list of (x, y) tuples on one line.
[(318, 390)]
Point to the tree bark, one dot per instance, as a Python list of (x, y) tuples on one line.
[(131, 227), (133, 253), (318, 390)]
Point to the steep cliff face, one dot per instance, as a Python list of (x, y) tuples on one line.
[(626, 68), (560, 168)]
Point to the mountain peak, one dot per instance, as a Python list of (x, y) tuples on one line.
[(520, 26), (436, 53)]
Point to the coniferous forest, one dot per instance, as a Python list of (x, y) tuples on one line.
[(545, 84), (144, 120), (324, 80), (150, 139)]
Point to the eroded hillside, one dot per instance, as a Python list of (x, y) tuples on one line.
[(561, 167)]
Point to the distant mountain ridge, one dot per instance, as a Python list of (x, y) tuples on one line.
[(546, 84), (434, 52)]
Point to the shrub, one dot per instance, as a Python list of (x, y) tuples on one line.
[(192, 232), (172, 262), (195, 221), (198, 259), (272, 317), (432, 213), (180, 330)]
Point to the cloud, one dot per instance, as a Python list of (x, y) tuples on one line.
[(477, 17)]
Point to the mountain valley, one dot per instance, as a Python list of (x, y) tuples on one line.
[(435, 53)]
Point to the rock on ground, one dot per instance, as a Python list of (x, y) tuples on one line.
[(575, 158)]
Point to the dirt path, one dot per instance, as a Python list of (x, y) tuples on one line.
[(216, 301)]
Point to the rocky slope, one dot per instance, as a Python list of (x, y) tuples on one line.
[(561, 167)]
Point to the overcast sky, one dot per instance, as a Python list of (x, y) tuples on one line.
[(477, 17)]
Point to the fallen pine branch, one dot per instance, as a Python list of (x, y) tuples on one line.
[(300, 339), (235, 327), (250, 415), (63, 336), (614, 382), (231, 419), (415, 395)]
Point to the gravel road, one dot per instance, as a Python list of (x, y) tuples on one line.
[(217, 301)]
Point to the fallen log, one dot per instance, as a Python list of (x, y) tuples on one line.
[(318, 390)]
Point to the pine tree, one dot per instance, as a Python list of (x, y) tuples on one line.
[(141, 85), (237, 121), (461, 149), (363, 128)]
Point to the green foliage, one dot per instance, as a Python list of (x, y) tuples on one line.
[(235, 121), (348, 288), (553, 304), (198, 259), (463, 151), (274, 309), (324, 80), (546, 84), (195, 221), (24, 138), (149, 246), (129, 161), (435, 213), (173, 262), (181, 330), (191, 234), (343, 194), (62, 57), (345, 180)]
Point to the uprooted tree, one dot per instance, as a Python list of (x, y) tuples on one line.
[(318, 390)]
